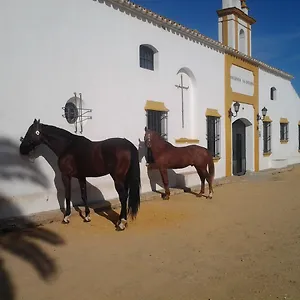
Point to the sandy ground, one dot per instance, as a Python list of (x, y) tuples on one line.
[(243, 244)]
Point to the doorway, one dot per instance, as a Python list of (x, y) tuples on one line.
[(238, 148)]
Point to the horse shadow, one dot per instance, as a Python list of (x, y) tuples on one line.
[(95, 198), (176, 180)]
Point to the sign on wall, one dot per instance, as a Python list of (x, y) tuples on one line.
[(241, 81)]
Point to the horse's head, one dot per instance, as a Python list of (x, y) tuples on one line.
[(32, 139)]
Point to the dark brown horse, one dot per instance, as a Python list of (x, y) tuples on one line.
[(80, 157), (166, 156)]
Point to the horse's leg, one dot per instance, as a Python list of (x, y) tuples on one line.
[(122, 189), (202, 178), (209, 181), (165, 180), (67, 184), (82, 183)]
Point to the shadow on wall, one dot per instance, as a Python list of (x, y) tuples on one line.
[(95, 197), (14, 238), (175, 180)]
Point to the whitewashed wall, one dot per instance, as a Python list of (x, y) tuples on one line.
[(287, 105), (51, 49)]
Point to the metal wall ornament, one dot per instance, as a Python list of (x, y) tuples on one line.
[(74, 113)]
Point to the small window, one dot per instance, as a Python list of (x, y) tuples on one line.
[(213, 135), (284, 134), (273, 93), (147, 57), (267, 137), (242, 41), (298, 137), (157, 121)]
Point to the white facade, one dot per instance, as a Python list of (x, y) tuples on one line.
[(55, 48)]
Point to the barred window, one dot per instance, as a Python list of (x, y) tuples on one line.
[(298, 137), (273, 93), (284, 132), (146, 57), (267, 137), (157, 121), (213, 135)]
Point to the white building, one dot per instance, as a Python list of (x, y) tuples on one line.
[(128, 63)]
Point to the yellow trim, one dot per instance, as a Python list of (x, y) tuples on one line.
[(236, 32), (212, 112), (284, 141), (216, 159), (155, 105), (225, 30), (248, 40), (187, 141), (284, 120), (267, 119), (267, 154), (299, 123), (236, 11), (229, 98)]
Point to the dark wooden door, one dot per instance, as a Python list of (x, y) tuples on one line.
[(238, 148)]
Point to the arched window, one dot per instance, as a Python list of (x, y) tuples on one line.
[(242, 45), (273, 93), (147, 57)]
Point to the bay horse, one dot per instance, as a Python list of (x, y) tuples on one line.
[(166, 156), (80, 157)]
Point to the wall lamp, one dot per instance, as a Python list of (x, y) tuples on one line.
[(264, 113), (236, 107)]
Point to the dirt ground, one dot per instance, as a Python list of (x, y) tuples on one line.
[(242, 244)]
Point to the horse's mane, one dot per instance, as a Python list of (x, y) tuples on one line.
[(60, 132), (159, 137)]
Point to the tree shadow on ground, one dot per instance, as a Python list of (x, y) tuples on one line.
[(20, 236)]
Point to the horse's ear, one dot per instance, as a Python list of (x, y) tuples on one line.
[(146, 128), (39, 121), (34, 121)]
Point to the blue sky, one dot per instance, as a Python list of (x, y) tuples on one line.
[(275, 35)]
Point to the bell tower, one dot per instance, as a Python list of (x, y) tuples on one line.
[(235, 25)]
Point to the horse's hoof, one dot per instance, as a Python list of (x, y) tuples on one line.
[(200, 195), (209, 196), (65, 221), (87, 219), (121, 225), (166, 198)]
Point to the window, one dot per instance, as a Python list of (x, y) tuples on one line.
[(242, 46), (157, 121), (273, 93), (299, 137), (213, 135), (284, 133), (267, 137), (147, 57)]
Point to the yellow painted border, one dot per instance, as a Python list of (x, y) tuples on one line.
[(155, 105), (248, 39), (225, 30), (299, 123), (229, 98), (267, 154), (211, 112), (284, 141), (284, 121), (267, 119), (187, 141)]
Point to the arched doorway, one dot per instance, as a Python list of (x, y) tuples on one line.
[(239, 147)]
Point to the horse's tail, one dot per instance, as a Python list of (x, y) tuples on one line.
[(211, 167), (134, 182)]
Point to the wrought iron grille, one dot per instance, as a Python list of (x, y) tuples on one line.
[(299, 137), (284, 134), (157, 121), (213, 135), (146, 58), (267, 137)]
